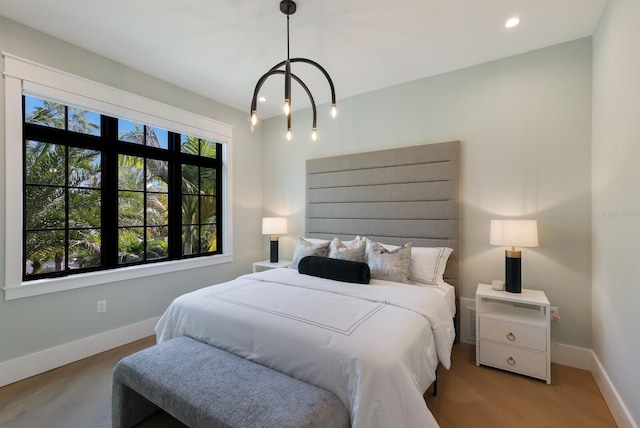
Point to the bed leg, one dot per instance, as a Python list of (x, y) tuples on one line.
[(435, 385)]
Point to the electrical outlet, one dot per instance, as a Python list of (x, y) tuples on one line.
[(555, 314), (102, 306)]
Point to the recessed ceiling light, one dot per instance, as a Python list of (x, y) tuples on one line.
[(262, 99), (512, 22)]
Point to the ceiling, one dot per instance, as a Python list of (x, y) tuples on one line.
[(220, 48)]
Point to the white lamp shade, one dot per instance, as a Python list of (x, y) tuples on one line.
[(514, 233), (274, 225)]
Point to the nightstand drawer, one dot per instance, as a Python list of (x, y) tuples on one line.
[(513, 334), (513, 359)]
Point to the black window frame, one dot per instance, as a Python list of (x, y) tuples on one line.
[(110, 147)]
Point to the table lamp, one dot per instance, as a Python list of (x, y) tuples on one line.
[(274, 226), (513, 233)]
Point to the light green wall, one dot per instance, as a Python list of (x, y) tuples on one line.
[(37, 323), (616, 199), (525, 127)]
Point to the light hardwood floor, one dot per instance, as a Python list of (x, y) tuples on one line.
[(79, 396)]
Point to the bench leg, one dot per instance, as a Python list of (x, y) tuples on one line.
[(129, 408)]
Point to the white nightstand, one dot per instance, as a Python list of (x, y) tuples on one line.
[(513, 331), (266, 264)]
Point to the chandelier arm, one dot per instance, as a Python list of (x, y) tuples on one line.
[(319, 67), (263, 78), (315, 64), (294, 77)]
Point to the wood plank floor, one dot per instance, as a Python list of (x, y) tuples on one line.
[(79, 396)]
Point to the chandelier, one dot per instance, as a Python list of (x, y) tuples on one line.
[(288, 7)]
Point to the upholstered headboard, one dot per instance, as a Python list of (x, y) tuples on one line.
[(393, 196)]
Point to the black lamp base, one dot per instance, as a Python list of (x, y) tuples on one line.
[(273, 254), (512, 276)]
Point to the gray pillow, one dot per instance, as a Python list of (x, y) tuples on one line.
[(390, 265), (341, 251), (306, 248)]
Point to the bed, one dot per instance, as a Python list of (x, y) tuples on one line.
[(376, 346)]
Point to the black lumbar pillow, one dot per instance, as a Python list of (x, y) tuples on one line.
[(338, 270)]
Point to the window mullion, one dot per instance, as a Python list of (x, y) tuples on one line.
[(109, 193)]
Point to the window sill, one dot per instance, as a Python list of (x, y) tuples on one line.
[(46, 286)]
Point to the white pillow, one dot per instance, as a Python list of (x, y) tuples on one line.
[(390, 265), (347, 250), (428, 264), (306, 247)]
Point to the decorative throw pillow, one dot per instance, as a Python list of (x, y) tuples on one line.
[(390, 265), (306, 248), (338, 270), (353, 251), (428, 264)]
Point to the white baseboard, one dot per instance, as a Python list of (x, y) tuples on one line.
[(39, 362), (616, 406), (572, 356)]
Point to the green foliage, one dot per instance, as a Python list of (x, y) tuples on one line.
[(59, 198)]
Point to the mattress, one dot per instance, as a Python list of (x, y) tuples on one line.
[(375, 346)]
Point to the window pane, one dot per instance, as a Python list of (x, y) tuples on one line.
[(130, 132), (83, 121), (190, 210), (44, 207), (157, 137), (44, 163), (131, 173), (41, 112), (190, 179), (44, 251), (84, 208), (84, 248), (208, 242), (157, 175), (208, 209), (84, 168), (157, 242), (189, 144), (208, 181), (130, 244), (208, 149), (130, 208), (190, 242), (157, 209)]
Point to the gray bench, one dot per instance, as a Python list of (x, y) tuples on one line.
[(203, 386)]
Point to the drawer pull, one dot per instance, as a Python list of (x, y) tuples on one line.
[(511, 337), (511, 361)]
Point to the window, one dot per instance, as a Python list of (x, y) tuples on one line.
[(103, 185), (102, 192)]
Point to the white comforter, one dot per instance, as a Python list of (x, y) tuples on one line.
[(375, 346)]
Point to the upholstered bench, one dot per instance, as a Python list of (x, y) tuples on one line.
[(203, 386)]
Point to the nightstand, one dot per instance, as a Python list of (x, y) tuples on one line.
[(266, 264), (513, 331)]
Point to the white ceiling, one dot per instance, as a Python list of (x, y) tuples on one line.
[(220, 48)]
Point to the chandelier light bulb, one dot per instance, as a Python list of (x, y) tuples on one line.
[(289, 135), (314, 135), (254, 118), (287, 107), (334, 111)]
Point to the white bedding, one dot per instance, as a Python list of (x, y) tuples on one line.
[(375, 346)]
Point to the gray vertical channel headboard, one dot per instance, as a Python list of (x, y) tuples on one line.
[(392, 196)]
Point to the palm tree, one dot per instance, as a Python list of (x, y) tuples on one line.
[(46, 178)]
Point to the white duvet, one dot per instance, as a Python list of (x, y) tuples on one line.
[(375, 346)]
